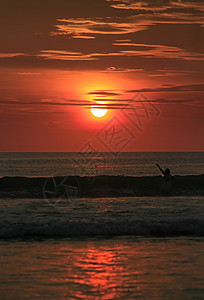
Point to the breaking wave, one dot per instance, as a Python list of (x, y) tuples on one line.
[(99, 186), (109, 228)]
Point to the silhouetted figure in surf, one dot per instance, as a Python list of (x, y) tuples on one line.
[(166, 184)]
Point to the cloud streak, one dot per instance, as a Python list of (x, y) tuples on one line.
[(177, 88), (103, 93), (160, 51), (162, 5), (128, 49), (39, 106), (173, 72), (125, 70), (10, 55), (87, 27), (139, 16), (143, 50), (148, 12), (65, 55)]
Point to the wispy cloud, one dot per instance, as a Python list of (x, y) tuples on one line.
[(87, 27), (29, 73), (133, 49), (173, 72), (176, 88), (138, 5), (16, 101), (125, 70), (163, 11), (10, 55), (148, 13), (143, 50), (110, 99), (104, 93), (86, 37), (161, 5), (161, 51), (42, 105), (65, 55)]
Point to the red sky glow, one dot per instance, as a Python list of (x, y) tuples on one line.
[(142, 60)]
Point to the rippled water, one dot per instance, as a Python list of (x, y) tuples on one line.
[(134, 164), (147, 216), (119, 268)]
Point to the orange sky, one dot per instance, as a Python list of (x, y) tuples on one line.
[(143, 60)]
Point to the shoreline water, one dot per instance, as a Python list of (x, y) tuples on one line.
[(98, 268), (85, 217)]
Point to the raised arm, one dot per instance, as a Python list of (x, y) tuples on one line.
[(162, 171)]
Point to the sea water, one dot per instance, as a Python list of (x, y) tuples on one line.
[(126, 164), (102, 248), (102, 268)]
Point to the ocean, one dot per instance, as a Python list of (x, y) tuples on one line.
[(125, 164), (97, 226)]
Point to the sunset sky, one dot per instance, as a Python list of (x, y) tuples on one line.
[(142, 60)]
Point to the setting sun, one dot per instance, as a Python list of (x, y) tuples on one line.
[(98, 111)]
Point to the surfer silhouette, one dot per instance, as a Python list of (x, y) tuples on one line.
[(166, 184)]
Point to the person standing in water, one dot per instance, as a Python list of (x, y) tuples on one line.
[(166, 184)]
